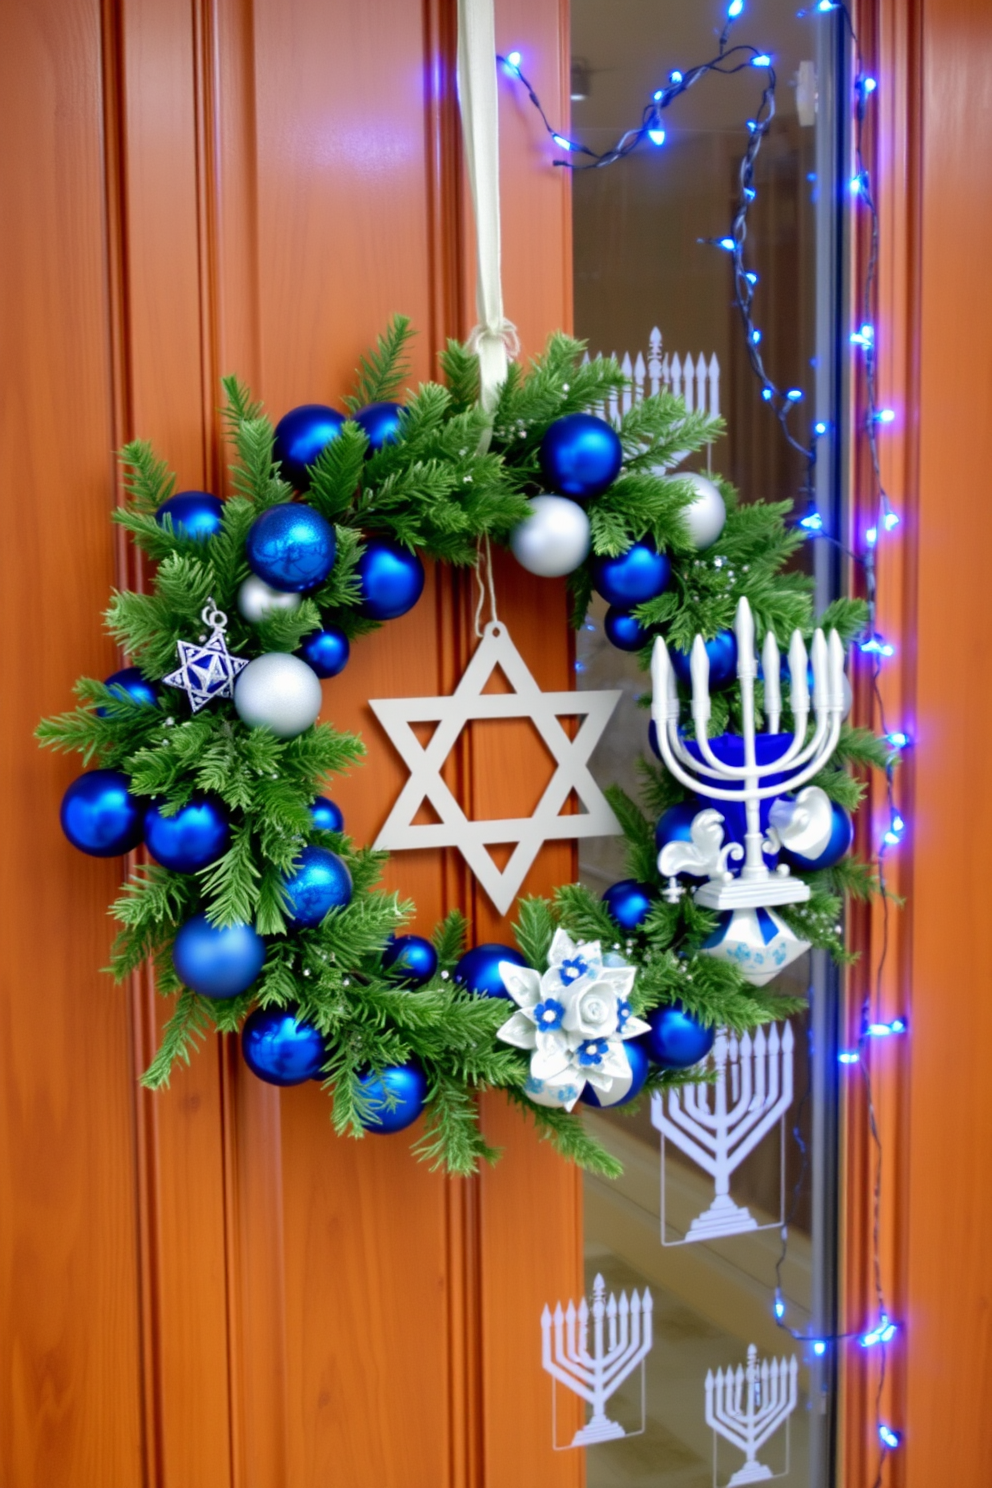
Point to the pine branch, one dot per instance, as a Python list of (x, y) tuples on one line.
[(566, 1133), (181, 1037), (382, 371), (534, 930)]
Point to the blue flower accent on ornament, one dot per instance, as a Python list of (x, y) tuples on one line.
[(566, 1093), (571, 971), (533, 1087), (593, 1050), (549, 1014), (623, 1015)]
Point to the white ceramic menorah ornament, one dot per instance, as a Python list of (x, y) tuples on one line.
[(747, 1406), (718, 1125), (751, 934), (622, 1336)]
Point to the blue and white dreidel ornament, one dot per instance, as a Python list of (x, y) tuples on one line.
[(580, 456), (100, 816), (302, 435), (478, 970), (392, 1101), (282, 1048), (409, 959), (390, 579), (677, 1039)]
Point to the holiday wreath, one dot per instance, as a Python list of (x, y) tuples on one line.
[(258, 913)]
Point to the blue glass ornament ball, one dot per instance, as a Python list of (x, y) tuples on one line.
[(841, 837), (217, 961), (128, 683), (391, 579), (478, 970), (327, 651), (722, 653), (198, 834), (410, 958), (676, 1040), (302, 435), (407, 1084), (640, 574), (194, 514), (326, 815), (580, 455), (292, 547), (319, 882), (382, 423), (674, 824), (280, 1047), (629, 902), (100, 816), (639, 1067), (624, 630)]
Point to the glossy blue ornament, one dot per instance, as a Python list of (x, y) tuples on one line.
[(410, 958), (674, 825), (217, 961), (391, 579), (676, 1040), (280, 1048), (326, 815), (625, 630), (327, 651), (318, 882), (292, 547), (198, 834), (729, 750), (194, 514), (722, 653), (478, 970), (129, 683), (639, 1067), (639, 574), (100, 816), (580, 455), (841, 837), (382, 423), (629, 902), (407, 1084), (301, 436)]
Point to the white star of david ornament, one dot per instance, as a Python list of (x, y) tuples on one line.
[(467, 702), (206, 670)]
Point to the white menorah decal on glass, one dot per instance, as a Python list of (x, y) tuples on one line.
[(718, 1125), (621, 1339), (747, 1407)]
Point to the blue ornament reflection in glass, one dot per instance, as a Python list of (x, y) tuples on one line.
[(327, 651), (280, 1047), (382, 423), (217, 961), (198, 834), (624, 630), (677, 1040), (391, 579), (629, 902), (841, 837), (622, 1092), (409, 958), (302, 435), (326, 815), (722, 653), (100, 816), (318, 882), (129, 684), (292, 547), (580, 455), (193, 513), (407, 1086), (478, 970), (639, 574)]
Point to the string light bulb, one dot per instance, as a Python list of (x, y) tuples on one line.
[(890, 1439), (735, 8), (656, 136)]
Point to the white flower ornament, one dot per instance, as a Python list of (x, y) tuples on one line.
[(574, 1018)]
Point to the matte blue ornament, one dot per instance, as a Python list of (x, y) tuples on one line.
[(194, 514), (292, 547), (217, 961), (327, 651), (128, 683), (410, 958), (391, 579), (198, 834), (301, 436), (100, 816), (318, 882), (674, 825), (639, 1067), (280, 1047), (478, 970), (625, 631), (841, 837), (676, 1040), (382, 423), (629, 902), (407, 1084), (326, 815), (581, 455), (640, 574), (722, 652)]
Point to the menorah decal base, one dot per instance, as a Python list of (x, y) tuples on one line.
[(723, 1217), (751, 1472), (739, 893), (599, 1429)]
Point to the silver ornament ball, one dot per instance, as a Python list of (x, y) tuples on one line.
[(257, 600), (554, 539), (278, 692), (706, 514)]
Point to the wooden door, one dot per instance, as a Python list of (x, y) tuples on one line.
[(206, 1287)]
